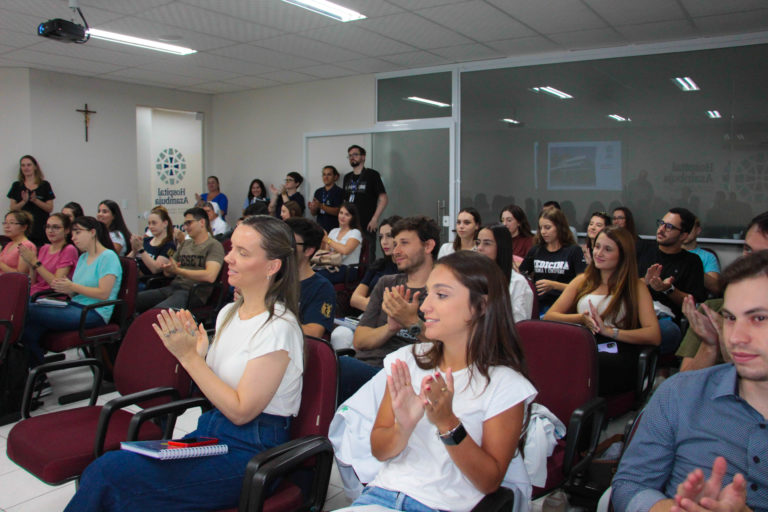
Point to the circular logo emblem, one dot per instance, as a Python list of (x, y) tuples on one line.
[(171, 166)]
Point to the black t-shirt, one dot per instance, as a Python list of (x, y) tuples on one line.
[(332, 198), (166, 250), (363, 190), (295, 197), (317, 302), (44, 192), (687, 270), (562, 266)]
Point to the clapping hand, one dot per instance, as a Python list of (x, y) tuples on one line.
[(171, 267), (401, 305), (696, 494), (137, 242), (407, 406), (180, 335), (27, 255), (654, 280), (543, 286), (705, 323), (63, 285), (437, 394), (592, 320)]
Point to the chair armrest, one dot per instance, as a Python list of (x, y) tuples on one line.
[(122, 401), (646, 371), (43, 369), (268, 466), (95, 305), (587, 420), (6, 338), (346, 352), (501, 500), (46, 293), (156, 280), (171, 409)]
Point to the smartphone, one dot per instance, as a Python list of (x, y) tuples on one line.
[(192, 441)]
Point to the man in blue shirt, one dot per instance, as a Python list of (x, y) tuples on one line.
[(713, 420), (317, 298)]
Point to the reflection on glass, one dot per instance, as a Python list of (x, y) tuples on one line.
[(414, 97)]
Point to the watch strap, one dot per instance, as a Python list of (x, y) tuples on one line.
[(454, 436)]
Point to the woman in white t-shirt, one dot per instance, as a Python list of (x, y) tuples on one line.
[(449, 425), (110, 215), (251, 373), (346, 240), (468, 223)]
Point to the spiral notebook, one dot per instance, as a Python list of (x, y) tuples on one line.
[(160, 450)]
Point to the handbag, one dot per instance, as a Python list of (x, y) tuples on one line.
[(326, 259)]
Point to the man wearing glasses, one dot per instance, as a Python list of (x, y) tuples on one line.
[(363, 188), (197, 260), (672, 273)]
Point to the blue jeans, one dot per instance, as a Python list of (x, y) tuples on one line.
[(391, 499), (126, 481), (353, 373), (670, 335), (42, 318)]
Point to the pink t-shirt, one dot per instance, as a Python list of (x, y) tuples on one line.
[(10, 254), (67, 257)]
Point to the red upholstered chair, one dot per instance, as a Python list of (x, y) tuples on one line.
[(535, 308), (56, 447), (206, 312), (13, 312), (562, 364), (635, 399)]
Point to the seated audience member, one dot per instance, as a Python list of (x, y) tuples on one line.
[(288, 192), (54, 260), (613, 302), (704, 325), (468, 223), (317, 298), (449, 426), (218, 226), (708, 260), (327, 200), (671, 273), (197, 260), (290, 209), (517, 223), (72, 210), (214, 195), (597, 222), (622, 217), (381, 267), (714, 418), (17, 225), (257, 208), (96, 278), (251, 373), (257, 193), (555, 259), (110, 215), (495, 242), (555, 204), (392, 318), (151, 253), (345, 240)]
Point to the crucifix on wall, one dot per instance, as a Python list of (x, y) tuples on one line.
[(86, 118)]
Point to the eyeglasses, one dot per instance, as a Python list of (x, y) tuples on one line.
[(289, 179), (616, 217), (53, 228), (667, 226), (485, 243), (354, 155), (12, 224), (188, 223)]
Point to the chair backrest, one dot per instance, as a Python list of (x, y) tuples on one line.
[(13, 306), (129, 287), (535, 308), (227, 245), (562, 364), (318, 394), (143, 362), (365, 258)]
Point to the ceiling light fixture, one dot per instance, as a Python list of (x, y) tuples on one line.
[(552, 91), (139, 42), (428, 102), (713, 114), (510, 121), (329, 9), (620, 119), (686, 84)]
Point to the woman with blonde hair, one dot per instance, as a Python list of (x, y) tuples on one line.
[(31, 193), (151, 253)]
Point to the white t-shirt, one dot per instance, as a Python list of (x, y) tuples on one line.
[(118, 238), (445, 250), (352, 258), (218, 226), (601, 303), (424, 470), (243, 340), (522, 297)]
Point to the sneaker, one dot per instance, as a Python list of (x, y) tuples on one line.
[(43, 388)]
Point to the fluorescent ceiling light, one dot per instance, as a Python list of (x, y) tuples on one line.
[(617, 117), (510, 121), (329, 9), (686, 84), (139, 42), (428, 102), (554, 92), (714, 114)]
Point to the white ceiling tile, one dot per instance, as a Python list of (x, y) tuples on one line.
[(413, 5), (123, 6), (149, 29), (44, 10), (20, 39), (6, 49), (273, 13), (733, 23), (253, 82), (363, 41), (327, 71), (370, 65), (99, 51), (370, 8), (188, 17), (550, 16), (414, 30), (213, 88), (660, 31), (287, 77), (60, 61), (477, 20), (139, 81), (183, 69), (523, 46), (709, 7), (417, 59), (237, 66), (19, 22), (264, 56), (631, 12), (157, 77), (466, 52), (316, 50), (583, 39)]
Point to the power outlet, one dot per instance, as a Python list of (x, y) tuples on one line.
[(446, 221)]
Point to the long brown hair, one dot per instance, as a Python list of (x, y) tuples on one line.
[(161, 212), (623, 283), (558, 218), (493, 339), (38, 172)]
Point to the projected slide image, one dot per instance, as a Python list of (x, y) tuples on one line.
[(584, 165)]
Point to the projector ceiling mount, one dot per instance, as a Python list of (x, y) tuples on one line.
[(66, 31)]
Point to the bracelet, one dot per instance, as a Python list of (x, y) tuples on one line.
[(615, 333), (451, 431)]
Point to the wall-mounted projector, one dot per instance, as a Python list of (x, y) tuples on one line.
[(62, 30)]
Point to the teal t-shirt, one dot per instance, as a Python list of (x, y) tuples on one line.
[(88, 275)]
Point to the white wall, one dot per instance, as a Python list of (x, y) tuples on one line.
[(259, 134), (106, 166)]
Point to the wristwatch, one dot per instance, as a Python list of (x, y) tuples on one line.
[(615, 333), (669, 290), (416, 329), (454, 436), (38, 264)]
